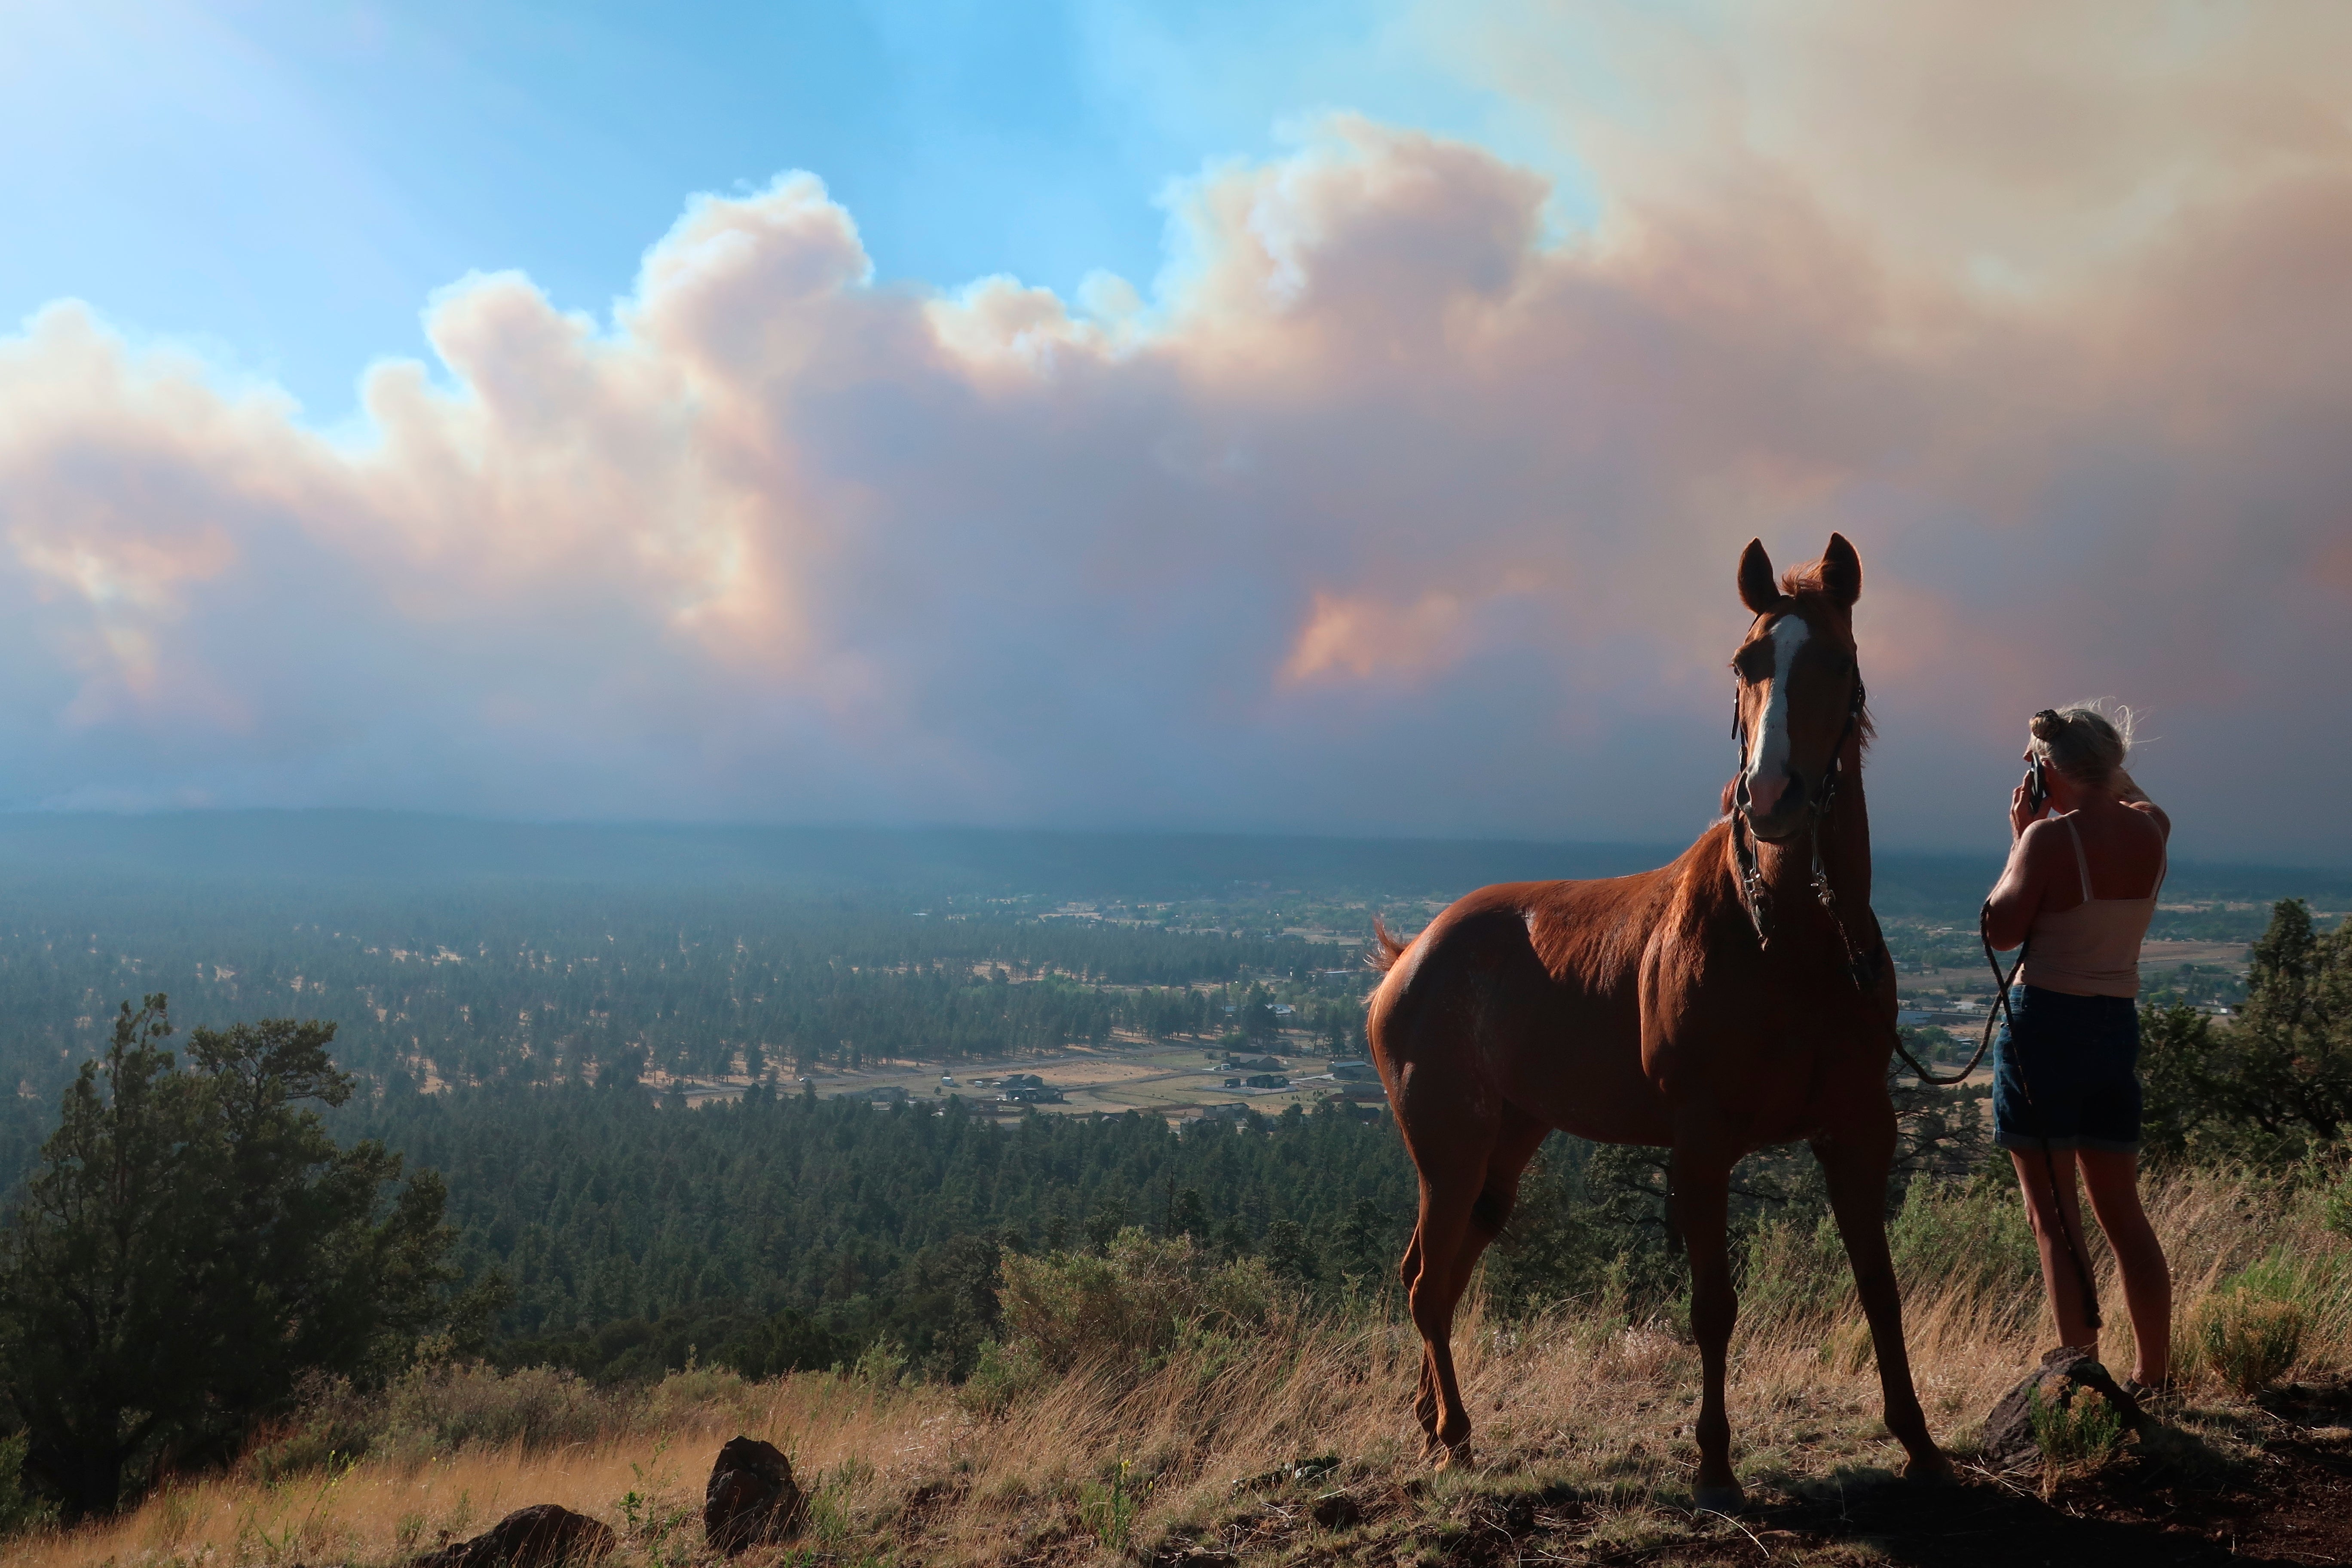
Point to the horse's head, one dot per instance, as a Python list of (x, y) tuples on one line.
[(1799, 686)]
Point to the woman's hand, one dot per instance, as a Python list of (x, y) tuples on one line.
[(2022, 811)]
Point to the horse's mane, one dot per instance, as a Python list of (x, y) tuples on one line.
[(1386, 948)]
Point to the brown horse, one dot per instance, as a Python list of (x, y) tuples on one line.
[(1735, 999)]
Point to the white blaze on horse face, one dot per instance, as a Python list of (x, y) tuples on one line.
[(1767, 753)]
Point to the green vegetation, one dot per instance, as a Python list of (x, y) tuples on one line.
[(2084, 1430), (21, 1508), (574, 989), (191, 1243), (2273, 1085), (2247, 1337), (598, 1238)]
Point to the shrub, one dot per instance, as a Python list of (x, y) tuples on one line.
[(333, 1424), (2084, 1430), (2248, 1341), (2252, 1329), (1970, 1243), (440, 1409), (1004, 1374), (1966, 1242), (2335, 1211), (1130, 1306), (882, 1364), (698, 1395), (1796, 1276), (20, 1511)]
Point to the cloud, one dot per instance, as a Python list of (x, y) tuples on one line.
[(1390, 511)]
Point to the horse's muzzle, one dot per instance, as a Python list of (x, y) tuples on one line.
[(1777, 809)]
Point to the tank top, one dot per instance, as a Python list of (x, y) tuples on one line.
[(2092, 949)]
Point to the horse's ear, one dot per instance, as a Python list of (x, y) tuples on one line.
[(1757, 591), (1840, 572)]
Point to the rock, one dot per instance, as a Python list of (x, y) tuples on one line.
[(1337, 1511), (541, 1536), (2065, 1374), (753, 1499)]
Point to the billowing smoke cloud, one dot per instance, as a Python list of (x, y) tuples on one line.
[(1392, 511)]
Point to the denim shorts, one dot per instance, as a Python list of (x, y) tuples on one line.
[(2069, 1072)]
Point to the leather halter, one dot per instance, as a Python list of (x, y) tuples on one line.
[(1754, 896), (1862, 969)]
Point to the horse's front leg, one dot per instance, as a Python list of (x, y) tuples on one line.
[(1702, 1194), (1856, 1166)]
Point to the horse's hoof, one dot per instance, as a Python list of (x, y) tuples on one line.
[(1719, 1499), (1457, 1457), (1931, 1470)]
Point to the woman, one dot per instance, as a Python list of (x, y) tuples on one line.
[(2079, 891)]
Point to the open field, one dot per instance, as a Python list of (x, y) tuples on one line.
[(1193, 1452), (2157, 958), (1176, 1080), (1179, 1078)]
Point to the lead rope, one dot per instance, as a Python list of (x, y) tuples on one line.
[(1757, 899), (2000, 1009)]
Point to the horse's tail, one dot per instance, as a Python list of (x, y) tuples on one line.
[(1386, 948)]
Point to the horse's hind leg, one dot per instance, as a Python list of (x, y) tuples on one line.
[(1857, 1171), (1702, 1196), (1424, 1398), (1447, 1196), (1438, 1265)]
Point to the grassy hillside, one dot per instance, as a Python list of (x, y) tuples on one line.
[(1151, 1405)]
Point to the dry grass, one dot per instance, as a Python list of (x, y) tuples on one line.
[(1569, 1406)]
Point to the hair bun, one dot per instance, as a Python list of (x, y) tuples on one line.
[(2082, 742)]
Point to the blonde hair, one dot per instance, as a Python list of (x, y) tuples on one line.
[(2085, 741)]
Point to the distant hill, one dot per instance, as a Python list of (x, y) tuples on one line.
[(415, 847), (412, 850)]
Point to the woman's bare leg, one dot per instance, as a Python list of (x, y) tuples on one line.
[(2114, 1180), (2058, 1276)]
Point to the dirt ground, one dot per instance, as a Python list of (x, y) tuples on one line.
[(2270, 1485), (2284, 1497)]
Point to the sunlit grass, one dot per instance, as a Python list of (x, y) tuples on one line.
[(1572, 1403)]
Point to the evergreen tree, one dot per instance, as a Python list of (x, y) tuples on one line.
[(2276, 1081), (190, 1243), (1288, 1253)]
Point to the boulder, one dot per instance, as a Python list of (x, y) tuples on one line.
[(2066, 1374), (541, 1536), (751, 1499)]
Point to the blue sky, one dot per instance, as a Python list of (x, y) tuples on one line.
[(285, 185)]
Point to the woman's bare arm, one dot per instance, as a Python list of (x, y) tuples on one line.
[(2017, 897)]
